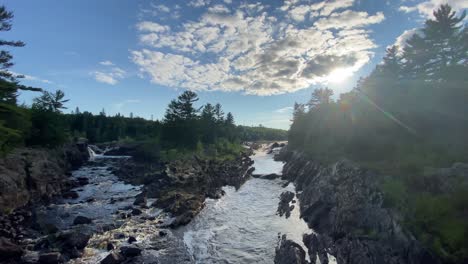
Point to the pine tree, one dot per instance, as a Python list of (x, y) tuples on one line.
[(48, 101), (441, 47), (320, 97), (219, 113), (230, 119), (182, 108), (5, 57)]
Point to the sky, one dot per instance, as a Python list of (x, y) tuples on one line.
[(256, 58)]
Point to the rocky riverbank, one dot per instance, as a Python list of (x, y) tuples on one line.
[(181, 186), (29, 178), (36, 175), (342, 203)]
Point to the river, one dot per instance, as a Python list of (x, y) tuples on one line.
[(240, 227)]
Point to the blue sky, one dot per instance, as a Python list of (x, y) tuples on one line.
[(256, 58)]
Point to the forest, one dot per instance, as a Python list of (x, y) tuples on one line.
[(408, 115)]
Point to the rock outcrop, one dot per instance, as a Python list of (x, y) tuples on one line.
[(182, 186), (34, 175), (289, 252), (343, 204)]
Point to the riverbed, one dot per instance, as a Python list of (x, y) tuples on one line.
[(241, 227)]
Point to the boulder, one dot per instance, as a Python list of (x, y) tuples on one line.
[(136, 211), (289, 252), (70, 195), (131, 239), (130, 251), (50, 258), (140, 199), (82, 220), (283, 207), (112, 258), (73, 239), (9, 250)]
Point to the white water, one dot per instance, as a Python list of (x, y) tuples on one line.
[(242, 226)]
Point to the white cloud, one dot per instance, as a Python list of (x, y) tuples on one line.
[(111, 75), (163, 8), (349, 19), (106, 63), (253, 51), (284, 110), (151, 27), (219, 9), (427, 8), (199, 3)]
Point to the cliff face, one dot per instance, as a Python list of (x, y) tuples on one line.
[(343, 205), (33, 175)]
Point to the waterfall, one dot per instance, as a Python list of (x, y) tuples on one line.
[(92, 154)]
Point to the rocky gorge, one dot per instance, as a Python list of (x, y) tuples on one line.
[(59, 207), (342, 203)]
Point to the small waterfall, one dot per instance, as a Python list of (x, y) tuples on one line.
[(92, 154)]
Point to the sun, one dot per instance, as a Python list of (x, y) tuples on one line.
[(339, 75)]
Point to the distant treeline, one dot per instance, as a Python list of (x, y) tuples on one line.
[(411, 112)]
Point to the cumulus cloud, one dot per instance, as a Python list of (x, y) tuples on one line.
[(426, 8), (256, 49), (110, 75)]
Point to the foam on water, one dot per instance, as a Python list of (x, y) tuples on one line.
[(242, 226)]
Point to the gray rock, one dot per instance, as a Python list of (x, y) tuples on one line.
[(9, 250), (50, 258), (112, 258), (289, 252), (130, 251), (343, 203), (82, 220)]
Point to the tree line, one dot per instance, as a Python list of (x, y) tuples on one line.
[(410, 113)]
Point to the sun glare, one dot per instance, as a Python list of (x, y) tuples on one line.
[(339, 75)]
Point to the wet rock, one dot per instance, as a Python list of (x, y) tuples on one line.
[(70, 195), (271, 176), (82, 181), (9, 250), (182, 220), (50, 258), (130, 251), (112, 258), (343, 203), (82, 220), (73, 239), (119, 235), (131, 239), (289, 252), (136, 211), (110, 246), (283, 207), (140, 199), (162, 233), (35, 175)]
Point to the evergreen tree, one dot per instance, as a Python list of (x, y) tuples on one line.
[(219, 113), (320, 97), (54, 102), (229, 119)]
